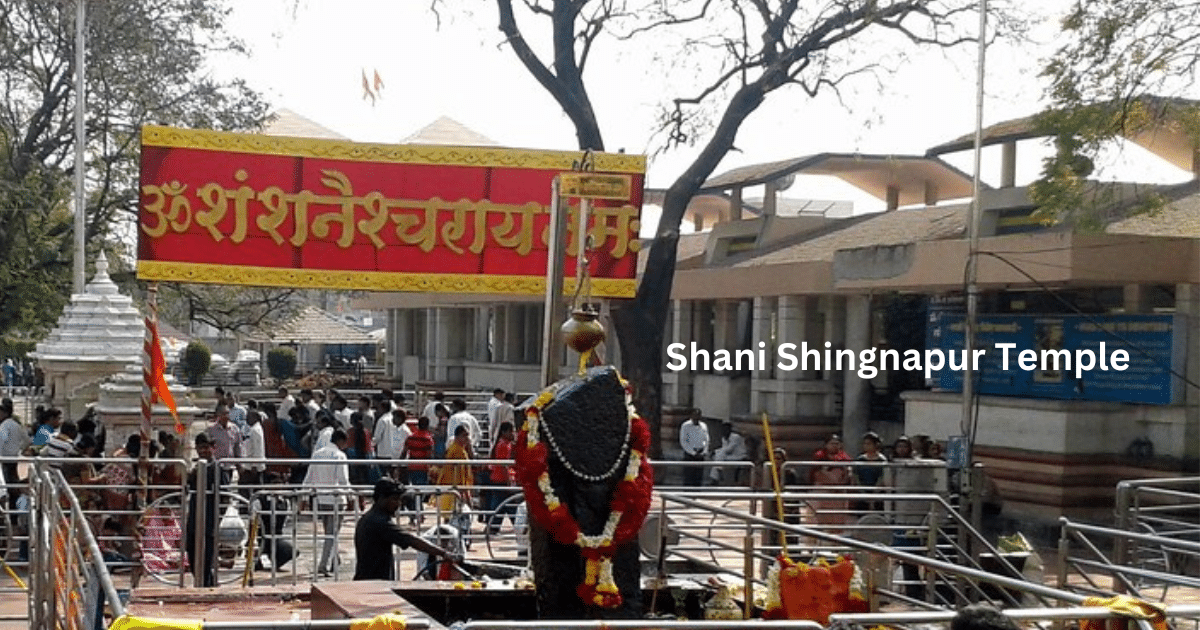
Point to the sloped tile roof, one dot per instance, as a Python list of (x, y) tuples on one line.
[(285, 122), (1179, 218), (447, 131), (314, 325), (897, 227)]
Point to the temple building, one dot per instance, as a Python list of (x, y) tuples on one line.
[(771, 271)]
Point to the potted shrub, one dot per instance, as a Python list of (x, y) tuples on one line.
[(196, 360), (281, 363)]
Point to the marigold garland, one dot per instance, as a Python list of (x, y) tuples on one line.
[(628, 506)]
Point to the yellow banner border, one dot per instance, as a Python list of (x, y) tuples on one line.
[(385, 281), (204, 139)]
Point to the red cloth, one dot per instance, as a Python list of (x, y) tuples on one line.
[(419, 445), (276, 447), (503, 474)]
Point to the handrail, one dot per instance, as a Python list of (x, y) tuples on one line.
[(976, 574)]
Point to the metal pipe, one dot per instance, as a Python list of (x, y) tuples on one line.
[(1175, 543)]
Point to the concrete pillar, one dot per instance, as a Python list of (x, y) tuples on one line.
[(397, 339), (531, 337), (725, 324), (1187, 303), (514, 331), (761, 328), (769, 198), (1008, 164), (856, 405), (835, 334), (813, 327), (1136, 299), (790, 329), (682, 330), (430, 351), (499, 330), (442, 326), (480, 350), (893, 197), (735, 204), (931, 193)]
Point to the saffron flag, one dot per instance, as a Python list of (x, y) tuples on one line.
[(158, 378), (367, 93)]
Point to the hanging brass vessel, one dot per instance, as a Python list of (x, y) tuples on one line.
[(582, 332)]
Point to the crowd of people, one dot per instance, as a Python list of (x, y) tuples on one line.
[(313, 434)]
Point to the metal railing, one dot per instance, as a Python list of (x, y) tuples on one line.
[(1152, 563), (70, 583), (733, 532), (1154, 545)]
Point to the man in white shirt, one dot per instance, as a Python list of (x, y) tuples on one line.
[(255, 446), (506, 412), (439, 398), (324, 428), (693, 437), (341, 412), (493, 407), (389, 434), (306, 398), (463, 417), (328, 479), (733, 449), (286, 402)]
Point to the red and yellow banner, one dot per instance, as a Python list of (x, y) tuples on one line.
[(273, 211)]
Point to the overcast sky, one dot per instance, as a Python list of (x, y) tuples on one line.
[(311, 60)]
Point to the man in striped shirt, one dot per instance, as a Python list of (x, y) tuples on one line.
[(62, 444), (226, 439)]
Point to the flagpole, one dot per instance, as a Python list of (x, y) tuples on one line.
[(150, 338), (79, 280)]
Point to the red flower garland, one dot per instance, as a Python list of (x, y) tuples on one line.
[(631, 498)]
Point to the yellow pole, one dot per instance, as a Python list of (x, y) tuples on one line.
[(251, 552), (783, 550), (14, 575)]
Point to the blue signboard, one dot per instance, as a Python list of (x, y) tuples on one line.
[(1055, 345)]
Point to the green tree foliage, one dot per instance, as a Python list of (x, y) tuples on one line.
[(1116, 75), (146, 63), (281, 363), (196, 360)]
